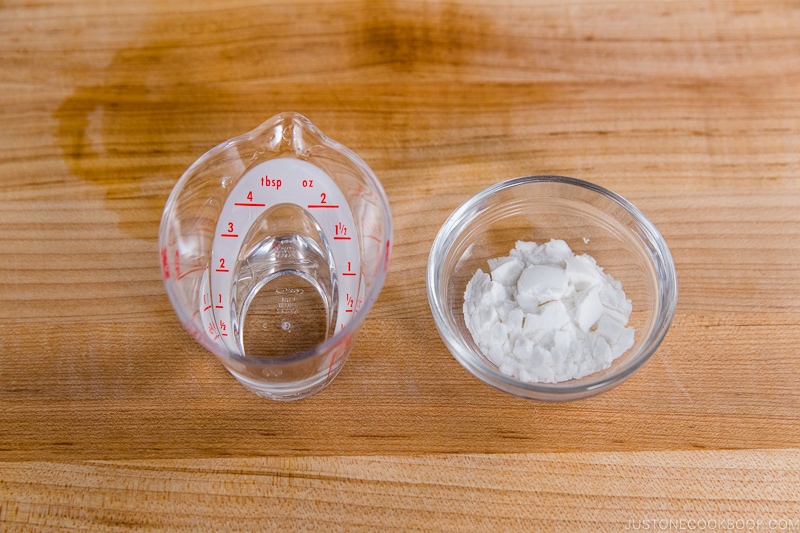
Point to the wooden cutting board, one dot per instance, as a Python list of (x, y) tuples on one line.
[(689, 110)]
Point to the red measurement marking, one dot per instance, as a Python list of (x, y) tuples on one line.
[(228, 234), (251, 205), (348, 310), (215, 338), (165, 263), (341, 238), (348, 273), (224, 334), (226, 270), (219, 307), (321, 206), (207, 308), (178, 264)]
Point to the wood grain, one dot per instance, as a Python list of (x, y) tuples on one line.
[(442, 100), (690, 110), (701, 490)]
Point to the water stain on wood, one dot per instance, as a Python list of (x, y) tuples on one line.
[(163, 104), (134, 137)]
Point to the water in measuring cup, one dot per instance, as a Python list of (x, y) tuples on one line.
[(284, 291), (285, 261)]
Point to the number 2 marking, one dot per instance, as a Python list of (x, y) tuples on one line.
[(323, 198)]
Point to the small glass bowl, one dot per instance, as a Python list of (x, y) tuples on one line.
[(591, 220)]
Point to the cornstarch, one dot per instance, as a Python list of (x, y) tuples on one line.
[(544, 314)]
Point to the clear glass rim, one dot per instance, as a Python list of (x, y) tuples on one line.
[(377, 285), (665, 273)]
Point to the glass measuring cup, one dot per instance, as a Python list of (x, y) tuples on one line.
[(274, 246)]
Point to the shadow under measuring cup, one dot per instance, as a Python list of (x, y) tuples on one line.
[(274, 246)]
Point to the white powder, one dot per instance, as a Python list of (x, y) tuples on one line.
[(547, 315)]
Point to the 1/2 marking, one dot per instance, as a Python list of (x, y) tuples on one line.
[(350, 303)]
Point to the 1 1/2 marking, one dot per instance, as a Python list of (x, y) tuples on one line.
[(340, 232)]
